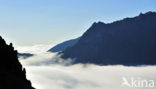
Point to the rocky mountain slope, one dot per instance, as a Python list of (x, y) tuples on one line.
[(12, 74), (62, 46), (131, 41)]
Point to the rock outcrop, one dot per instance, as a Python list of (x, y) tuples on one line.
[(12, 74)]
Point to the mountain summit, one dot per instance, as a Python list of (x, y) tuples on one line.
[(12, 74), (131, 41)]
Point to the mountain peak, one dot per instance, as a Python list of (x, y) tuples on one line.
[(98, 23), (130, 41), (148, 13)]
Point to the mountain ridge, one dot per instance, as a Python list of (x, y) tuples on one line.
[(126, 41)]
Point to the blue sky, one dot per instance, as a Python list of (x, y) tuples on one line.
[(29, 22)]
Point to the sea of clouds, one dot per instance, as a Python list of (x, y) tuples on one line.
[(46, 72)]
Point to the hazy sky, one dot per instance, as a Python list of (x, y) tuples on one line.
[(28, 22)]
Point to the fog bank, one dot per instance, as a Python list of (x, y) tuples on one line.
[(45, 73)]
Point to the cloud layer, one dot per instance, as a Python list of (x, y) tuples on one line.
[(46, 73), (36, 49), (87, 77)]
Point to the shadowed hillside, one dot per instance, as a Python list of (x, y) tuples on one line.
[(12, 74), (131, 41), (62, 46)]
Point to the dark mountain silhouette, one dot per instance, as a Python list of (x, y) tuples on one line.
[(25, 55), (131, 41), (12, 74), (62, 46)]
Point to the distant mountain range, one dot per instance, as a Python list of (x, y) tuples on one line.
[(12, 74), (131, 41), (25, 55), (62, 46)]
